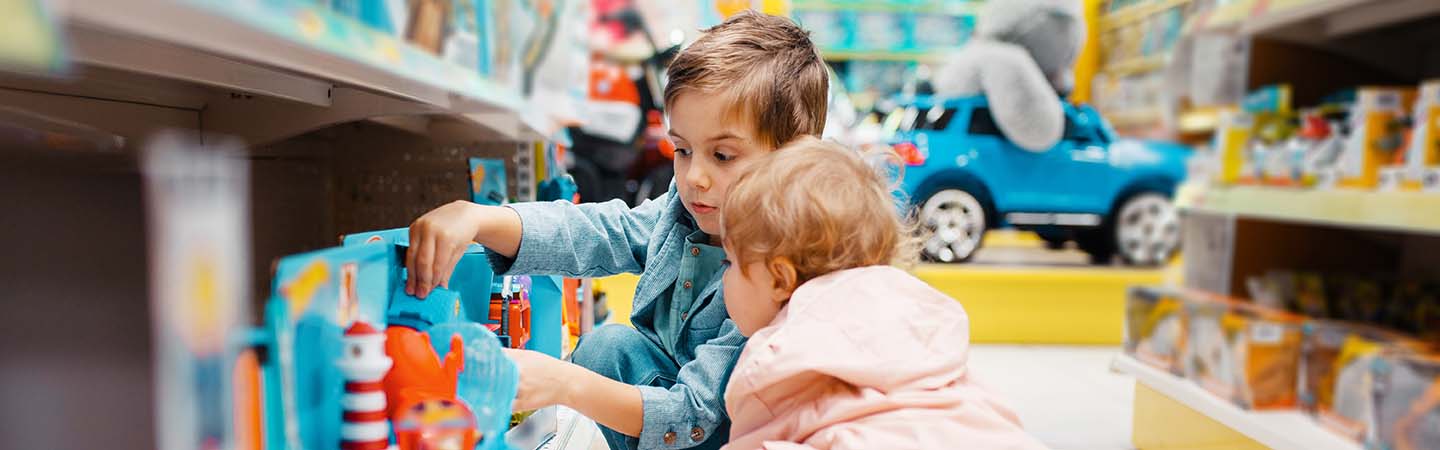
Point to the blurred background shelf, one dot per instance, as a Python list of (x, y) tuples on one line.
[(1280, 430), (1131, 14), (1412, 212), (268, 71), (1319, 20), (962, 7), (878, 55)]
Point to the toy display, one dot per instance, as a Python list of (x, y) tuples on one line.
[(1377, 135), (1243, 353), (1407, 413), (1423, 154), (1335, 383), (436, 424), (1154, 328)]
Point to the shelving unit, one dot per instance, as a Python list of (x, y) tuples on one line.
[(343, 128), (1409, 212), (1279, 430)]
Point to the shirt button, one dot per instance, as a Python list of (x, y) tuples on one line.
[(697, 434), (684, 315), (670, 438), (687, 284), (694, 251)]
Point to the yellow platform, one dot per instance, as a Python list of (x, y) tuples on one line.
[(1009, 299)]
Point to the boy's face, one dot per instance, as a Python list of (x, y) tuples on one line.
[(751, 300), (709, 155)]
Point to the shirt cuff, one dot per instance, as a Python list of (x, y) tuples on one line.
[(668, 425)]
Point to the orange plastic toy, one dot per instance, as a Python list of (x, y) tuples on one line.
[(436, 424), (517, 325), (418, 374)]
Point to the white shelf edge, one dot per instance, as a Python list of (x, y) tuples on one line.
[(178, 23), (1402, 212), (1340, 17), (1281, 430)]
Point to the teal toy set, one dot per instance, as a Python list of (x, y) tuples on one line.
[(351, 361)]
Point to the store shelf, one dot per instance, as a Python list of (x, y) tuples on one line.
[(294, 52), (1139, 118), (933, 7), (1135, 13), (1411, 212), (1280, 430), (873, 55), (1319, 20), (1136, 66), (1200, 120)]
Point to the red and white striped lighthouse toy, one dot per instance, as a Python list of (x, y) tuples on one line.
[(364, 426)]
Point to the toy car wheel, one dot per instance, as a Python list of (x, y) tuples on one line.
[(955, 221), (1147, 229)]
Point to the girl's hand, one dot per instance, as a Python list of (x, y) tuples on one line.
[(544, 381), (437, 241)]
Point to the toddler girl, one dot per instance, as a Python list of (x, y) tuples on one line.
[(845, 351)]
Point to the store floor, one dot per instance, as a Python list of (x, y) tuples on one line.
[(1066, 396)]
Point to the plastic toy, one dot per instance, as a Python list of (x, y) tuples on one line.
[(1154, 328), (513, 325), (1408, 410), (364, 363), (1424, 151), (418, 372), (487, 181), (1110, 195), (436, 424), (1376, 135), (1241, 352)]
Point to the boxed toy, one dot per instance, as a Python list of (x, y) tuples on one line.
[(1154, 327), (487, 181), (1377, 134), (1336, 384), (1423, 153), (1243, 353), (1407, 410)]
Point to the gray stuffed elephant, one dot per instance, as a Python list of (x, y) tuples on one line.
[(1020, 59)]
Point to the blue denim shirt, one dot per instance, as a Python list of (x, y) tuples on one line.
[(602, 239)]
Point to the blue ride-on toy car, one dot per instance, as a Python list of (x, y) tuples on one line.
[(1109, 195)]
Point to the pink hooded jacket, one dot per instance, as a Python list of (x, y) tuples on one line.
[(867, 358)]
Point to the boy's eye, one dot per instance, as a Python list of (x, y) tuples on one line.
[(682, 151), (723, 156)]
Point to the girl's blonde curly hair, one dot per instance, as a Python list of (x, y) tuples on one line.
[(822, 207)]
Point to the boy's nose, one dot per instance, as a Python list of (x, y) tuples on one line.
[(698, 178)]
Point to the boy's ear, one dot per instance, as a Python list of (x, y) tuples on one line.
[(786, 279)]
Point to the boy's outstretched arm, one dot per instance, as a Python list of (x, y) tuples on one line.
[(536, 238), (438, 239)]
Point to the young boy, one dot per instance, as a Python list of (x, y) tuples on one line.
[(740, 91)]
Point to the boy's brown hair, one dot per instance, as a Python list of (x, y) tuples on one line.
[(770, 73), (821, 207)]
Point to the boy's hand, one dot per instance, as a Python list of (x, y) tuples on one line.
[(544, 381), (437, 241)]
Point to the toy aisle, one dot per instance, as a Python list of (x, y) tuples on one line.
[(1171, 224)]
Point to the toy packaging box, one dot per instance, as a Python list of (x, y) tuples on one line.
[(1242, 352), (1377, 134), (341, 329), (1336, 382), (487, 181), (1407, 410), (1155, 327)]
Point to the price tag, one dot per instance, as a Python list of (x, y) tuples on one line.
[(1266, 333)]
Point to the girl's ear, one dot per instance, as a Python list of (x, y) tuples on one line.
[(786, 279)]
